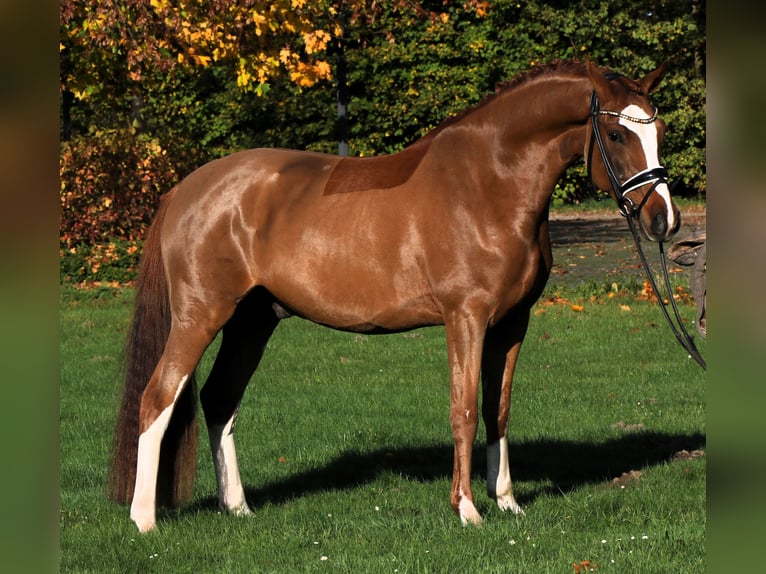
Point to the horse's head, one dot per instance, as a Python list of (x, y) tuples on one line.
[(629, 138)]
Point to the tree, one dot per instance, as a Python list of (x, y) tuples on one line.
[(135, 39)]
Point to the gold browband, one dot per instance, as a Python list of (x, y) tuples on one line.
[(630, 118)]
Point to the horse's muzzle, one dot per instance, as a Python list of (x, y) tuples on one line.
[(660, 226)]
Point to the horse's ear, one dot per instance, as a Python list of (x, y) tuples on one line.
[(651, 80), (597, 78)]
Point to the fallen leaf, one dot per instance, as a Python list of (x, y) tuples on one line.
[(577, 308), (584, 566)]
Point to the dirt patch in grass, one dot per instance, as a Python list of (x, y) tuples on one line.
[(596, 246)]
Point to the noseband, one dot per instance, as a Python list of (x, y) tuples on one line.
[(658, 175), (631, 211)]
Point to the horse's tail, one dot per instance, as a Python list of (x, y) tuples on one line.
[(144, 347)]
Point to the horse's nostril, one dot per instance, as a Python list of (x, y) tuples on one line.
[(659, 225)]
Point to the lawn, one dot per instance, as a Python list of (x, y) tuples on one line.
[(346, 453)]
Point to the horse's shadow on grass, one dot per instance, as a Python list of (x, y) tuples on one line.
[(560, 465)]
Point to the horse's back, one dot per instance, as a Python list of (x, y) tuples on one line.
[(257, 170), (264, 217)]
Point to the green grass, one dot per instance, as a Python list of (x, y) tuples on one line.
[(346, 453)]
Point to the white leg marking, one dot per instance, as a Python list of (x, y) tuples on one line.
[(231, 495), (647, 133), (468, 512), (498, 470), (142, 508)]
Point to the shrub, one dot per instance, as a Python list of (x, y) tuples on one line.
[(111, 181), (111, 263)]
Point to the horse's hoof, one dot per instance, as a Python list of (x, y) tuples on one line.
[(508, 502), (469, 514), (144, 524), (242, 510), (143, 516)]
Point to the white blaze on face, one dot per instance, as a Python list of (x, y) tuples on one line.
[(647, 133)]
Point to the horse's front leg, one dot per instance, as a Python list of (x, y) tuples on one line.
[(464, 344), (501, 349)]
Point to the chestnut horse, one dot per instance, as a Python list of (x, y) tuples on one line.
[(451, 231)]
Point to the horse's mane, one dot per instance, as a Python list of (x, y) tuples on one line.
[(560, 67), (383, 172)]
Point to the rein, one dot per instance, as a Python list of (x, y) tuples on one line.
[(631, 211)]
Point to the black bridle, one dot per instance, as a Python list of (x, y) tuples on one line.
[(631, 211)]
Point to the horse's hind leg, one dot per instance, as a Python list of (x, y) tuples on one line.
[(501, 349), (244, 340), (184, 347)]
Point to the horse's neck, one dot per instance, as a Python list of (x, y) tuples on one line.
[(540, 127), (523, 139), (543, 110)]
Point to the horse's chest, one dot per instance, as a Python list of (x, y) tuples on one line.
[(523, 275)]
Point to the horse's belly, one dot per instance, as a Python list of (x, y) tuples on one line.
[(355, 308), (354, 298)]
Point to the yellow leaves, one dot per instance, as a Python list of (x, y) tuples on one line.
[(315, 41), (323, 70), (201, 60), (306, 75), (286, 56), (260, 21), (647, 292), (273, 38), (159, 5), (557, 301), (244, 77)]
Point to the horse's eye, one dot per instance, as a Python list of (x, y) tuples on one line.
[(615, 136)]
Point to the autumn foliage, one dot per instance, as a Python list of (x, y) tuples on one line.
[(110, 186), (261, 37)]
